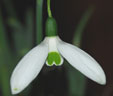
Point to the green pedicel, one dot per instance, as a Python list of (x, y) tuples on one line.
[(54, 57)]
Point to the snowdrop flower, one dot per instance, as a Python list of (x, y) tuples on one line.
[(51, 51)]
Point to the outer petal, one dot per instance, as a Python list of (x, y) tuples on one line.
[(28, 68), (82, 62)]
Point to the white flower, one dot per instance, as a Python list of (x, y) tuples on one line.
[(52, 50)]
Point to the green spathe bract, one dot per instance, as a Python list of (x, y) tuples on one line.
[(54, 58)]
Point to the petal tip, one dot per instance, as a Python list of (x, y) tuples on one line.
[(103, 81), (15, 90)]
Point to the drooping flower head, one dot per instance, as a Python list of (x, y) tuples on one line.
[(52, 51)]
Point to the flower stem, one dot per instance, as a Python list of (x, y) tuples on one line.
[(51, 25), (48, 8)]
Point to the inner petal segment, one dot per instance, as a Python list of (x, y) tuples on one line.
[(54, 58)]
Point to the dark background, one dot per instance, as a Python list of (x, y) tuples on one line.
[(97, 38)]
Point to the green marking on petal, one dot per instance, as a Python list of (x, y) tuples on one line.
[(16, 89), (53, 57)]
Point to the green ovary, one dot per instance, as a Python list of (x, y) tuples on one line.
[(53, 57)]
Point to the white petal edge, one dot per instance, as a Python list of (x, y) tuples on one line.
[(82, 61), (28, 68)]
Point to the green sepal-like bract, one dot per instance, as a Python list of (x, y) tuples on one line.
[(51, 27)]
